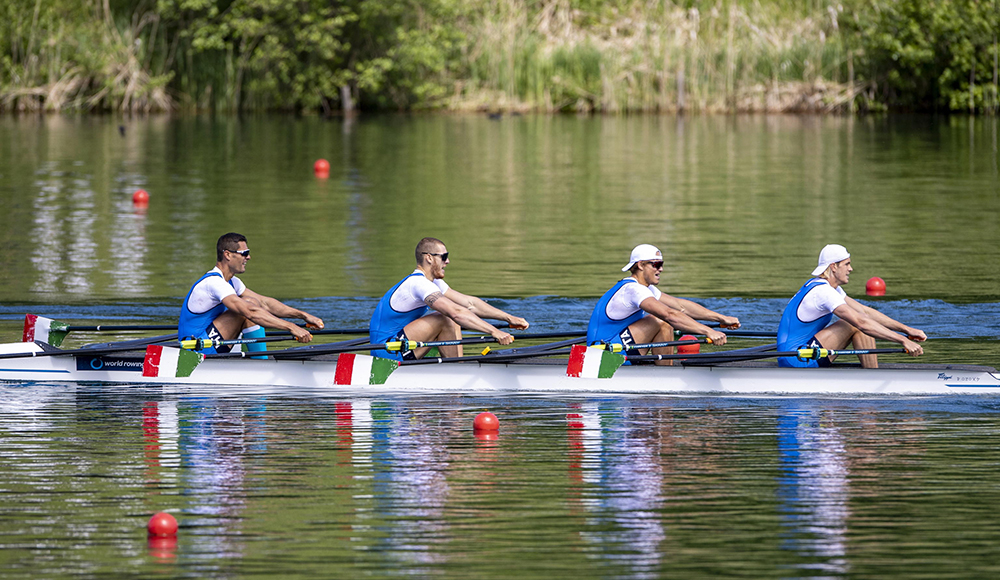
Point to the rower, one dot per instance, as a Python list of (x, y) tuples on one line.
[(805, 322), (220, 306), (402, 314), (620, 316)]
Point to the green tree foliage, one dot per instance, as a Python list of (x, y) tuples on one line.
[(583, 55), (928, 55)]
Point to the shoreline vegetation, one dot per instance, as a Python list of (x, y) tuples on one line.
[(604, 56)]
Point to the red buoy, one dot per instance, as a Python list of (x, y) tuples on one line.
[(875, 286), (486, 421), (689, 348), (321, 168), (162, 524), (140, 197)]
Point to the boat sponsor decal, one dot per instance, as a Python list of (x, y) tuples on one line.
[(165, 361), (589, 362), (108, 363), (43, 329), (944, 377), (361, 369)]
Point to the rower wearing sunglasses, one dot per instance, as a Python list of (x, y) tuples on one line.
[(620, 316), (220, 306), (422, 307)]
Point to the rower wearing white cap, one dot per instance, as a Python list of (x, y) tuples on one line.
[(620, 315), (805, 323)]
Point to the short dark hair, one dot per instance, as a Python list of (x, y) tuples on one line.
[(231, 242), (425, 246)]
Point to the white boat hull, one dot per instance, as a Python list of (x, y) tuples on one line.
[(904, 379)]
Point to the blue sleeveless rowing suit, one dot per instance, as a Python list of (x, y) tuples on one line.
[(387, 323), (794, 333), (196, 325), (604, 329)]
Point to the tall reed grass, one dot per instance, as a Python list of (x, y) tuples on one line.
[(70, 55), (659, 56)]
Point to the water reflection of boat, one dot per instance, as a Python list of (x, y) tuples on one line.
[(536, 375)]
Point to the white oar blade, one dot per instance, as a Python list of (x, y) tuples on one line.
[(169, 362), (587, 362), (44, 329), (361, 369)]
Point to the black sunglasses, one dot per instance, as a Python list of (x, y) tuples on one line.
[(444, 256), (245, 253), (656, 265)]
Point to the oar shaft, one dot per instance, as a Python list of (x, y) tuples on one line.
[(117, 328), (74, 352), (804, 353), (619, 348), (739, 333), (317, 331), (203, 343)]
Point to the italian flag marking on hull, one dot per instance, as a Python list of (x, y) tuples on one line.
[(361, 369), (169, 362), (588, 362), (44, 329)]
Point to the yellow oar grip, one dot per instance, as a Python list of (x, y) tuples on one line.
[(197, 343), (398, 345)]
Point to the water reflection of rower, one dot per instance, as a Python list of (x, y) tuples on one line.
[(814, 490), (407, 464), (625, 498)]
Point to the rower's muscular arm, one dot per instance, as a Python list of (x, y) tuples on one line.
[(482, 309), (680, 320), (914, 334), (251, 307), (699, 312), (282, 310), (857, 315), (465, 317)]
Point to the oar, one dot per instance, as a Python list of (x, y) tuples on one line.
[(802, 353), (391, 346), (203, 343), (73, 352), (615, 347), (740, 333)]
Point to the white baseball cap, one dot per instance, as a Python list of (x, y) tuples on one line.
[(643, 253), (830, 254)]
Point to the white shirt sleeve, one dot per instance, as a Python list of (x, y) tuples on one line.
[(820, 301), (412, 293), (210, 292), (627, 300)]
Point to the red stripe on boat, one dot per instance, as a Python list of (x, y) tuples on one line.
[(29, 328), (345, 369), (576, 356), (151, 364)]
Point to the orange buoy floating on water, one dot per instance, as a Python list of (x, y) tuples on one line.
[(140, 197), (162, 524), (875, 286), (321, 168), (689, 348), (486, 421)]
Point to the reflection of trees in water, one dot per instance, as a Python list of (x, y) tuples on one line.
[(813, 490)]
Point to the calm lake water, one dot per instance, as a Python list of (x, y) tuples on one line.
[(539, 214)]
